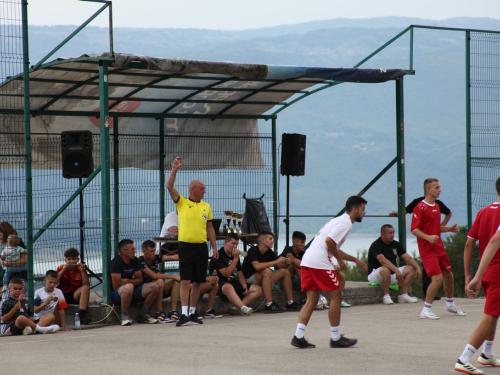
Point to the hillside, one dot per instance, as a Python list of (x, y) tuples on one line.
[(351, 128)]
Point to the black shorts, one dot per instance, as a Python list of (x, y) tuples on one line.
[(169, 248), (193, 261), (236, 285), (70, 298), (15, 331)]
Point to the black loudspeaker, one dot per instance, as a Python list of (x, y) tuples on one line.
[(293, 154), (76, 147)]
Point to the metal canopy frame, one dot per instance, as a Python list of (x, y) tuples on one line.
[(103, 68)]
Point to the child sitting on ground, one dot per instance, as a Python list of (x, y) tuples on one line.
[(15, 313), (74, 283), (48, 298), (12, 253)]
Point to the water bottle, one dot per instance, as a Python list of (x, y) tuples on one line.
[(214, 274), (77, 321)]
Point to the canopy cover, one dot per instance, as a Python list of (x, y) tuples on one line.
[(192, 96)]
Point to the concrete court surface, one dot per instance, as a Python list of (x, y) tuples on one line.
[(392, 340)]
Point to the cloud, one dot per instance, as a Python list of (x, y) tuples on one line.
[(334, 135)]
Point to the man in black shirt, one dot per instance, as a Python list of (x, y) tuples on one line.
[(232, 283), (383, 267), (257, 270)]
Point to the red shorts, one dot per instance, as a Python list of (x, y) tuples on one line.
[(492, 293), (316, 279), (434, 264)]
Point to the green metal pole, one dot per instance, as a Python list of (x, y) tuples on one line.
[(467, 128), (411, 48), (105, 180), (116, 183), (400, 145), (275, 186), (27, 150), (162, 169)]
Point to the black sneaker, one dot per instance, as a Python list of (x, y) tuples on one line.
[(194, 319), (86, 321), (273, 309), (211, 314), (173, 315), (200, 317), (302, 343), (183, 321), (294, 306), (343, 342)]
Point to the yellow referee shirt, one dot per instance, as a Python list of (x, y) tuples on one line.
[(193, 219)]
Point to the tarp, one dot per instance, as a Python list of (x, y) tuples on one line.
[(65, 96)]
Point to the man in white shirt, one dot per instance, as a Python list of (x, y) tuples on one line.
[(318, 273), (170, 228)]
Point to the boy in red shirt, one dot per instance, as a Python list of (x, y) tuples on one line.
[(74, 283)]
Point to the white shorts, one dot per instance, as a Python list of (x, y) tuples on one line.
[(374, 277)]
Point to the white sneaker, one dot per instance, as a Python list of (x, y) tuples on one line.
[(51, 329), (405, 298), (455, 310), (27, 331), (467, 368), (247, 310), (428, 315), (387, 300), (485, 361)]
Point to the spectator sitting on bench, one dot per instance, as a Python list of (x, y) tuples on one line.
[(74, 283), (128, 284), (168, 285), (232, 283), (257, 270), (170, 228)]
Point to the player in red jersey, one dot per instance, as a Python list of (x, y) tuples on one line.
[(483, 230), (426, 226)]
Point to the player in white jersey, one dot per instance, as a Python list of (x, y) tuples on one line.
[(318, 273)]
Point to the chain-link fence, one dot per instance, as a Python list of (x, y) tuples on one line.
[(485, 116)]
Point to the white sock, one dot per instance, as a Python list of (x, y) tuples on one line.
[(402, 295), (467, 354), (40, 329), (192, 310), (449, 302), (301, 330), (335, 333), (243, 307), (488, 348), (289, 302), (269, 303), (427, 307), (185, 310), (387, 295)]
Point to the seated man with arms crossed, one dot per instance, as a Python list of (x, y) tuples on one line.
[(383, 267), (256, 269), (128, 284), (232, 283)]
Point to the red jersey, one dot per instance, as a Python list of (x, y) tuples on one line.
[(70, 281), (427, 218), (485, 226)]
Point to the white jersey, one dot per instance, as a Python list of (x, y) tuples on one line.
[(58, 302), (317, 255), (171, 220)]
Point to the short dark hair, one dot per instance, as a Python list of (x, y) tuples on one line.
[(124, 243), (16, 280), (384, 227), (497, 186), (353, 202), (51, 273), (71, 253), (264, 233), (232, 236), (147, 244), (298, 236)]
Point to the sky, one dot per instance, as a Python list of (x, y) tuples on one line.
[(241, 15)]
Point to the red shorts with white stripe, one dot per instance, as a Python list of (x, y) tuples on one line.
[(492, 293), (316, 279)]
